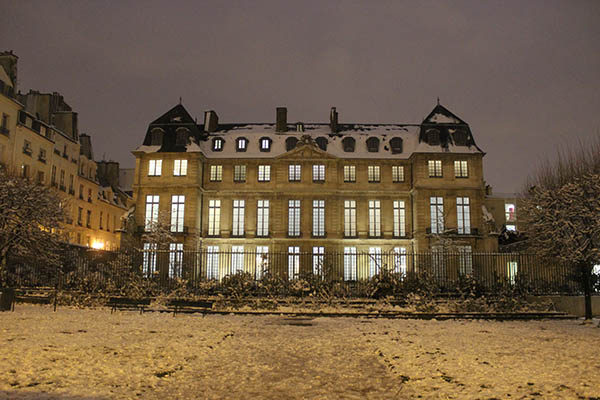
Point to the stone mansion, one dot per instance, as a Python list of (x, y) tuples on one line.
[(313, 188)]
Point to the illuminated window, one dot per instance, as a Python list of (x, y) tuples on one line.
[(262, 218), (238, 217), (350, 263), (262, 261), (214, 217), (212, 262), (510, 212), (318, 218), (349, 218), (435, 168), (374, 173), (374, 261), (400, 260), (318, 259), (264, 173), (374, 218), (154, 167), (463, 215), (294, 218), (180, 168), (436, 206), (241, 144), (152, 202), (461, 169), (399, 219), (295, 173), (239, 173), (319, 173), (177, 212), (397, 173), (217, 144), (349, 173), (149, 259), (216, 173), (237, 259), (293, 262), (175, 260)]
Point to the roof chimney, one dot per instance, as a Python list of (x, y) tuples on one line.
[(281, 125), (333, 120), (211, 121), (8, 61)]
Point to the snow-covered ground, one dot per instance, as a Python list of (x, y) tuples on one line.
[(91, 354)]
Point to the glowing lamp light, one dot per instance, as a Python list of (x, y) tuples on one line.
[(98, 245)]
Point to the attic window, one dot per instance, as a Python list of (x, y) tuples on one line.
[(218, 144), (290, 143), (299, 127), (372, 145), (322, 143), (348, 143), (433, 137), (156, 137), (396, 144), (460, 138), (265, 144), (181, 136), (241, 144)]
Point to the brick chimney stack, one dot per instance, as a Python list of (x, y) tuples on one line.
[(333, 120), (281, 125), (211, 121), (8, 60)]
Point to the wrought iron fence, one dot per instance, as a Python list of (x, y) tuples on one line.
[(88, 269)]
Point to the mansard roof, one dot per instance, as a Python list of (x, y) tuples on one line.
[(413, 136)]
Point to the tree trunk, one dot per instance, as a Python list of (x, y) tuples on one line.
[(587, 290)]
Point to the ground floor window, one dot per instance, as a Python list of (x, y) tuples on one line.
[(318, 260), (293, 262), (512, 270), (349, 263), (175, 260), (374, 261), (237, 259), (400, 260), (212, 262), (149, 259), (262, 261), (465, 260)]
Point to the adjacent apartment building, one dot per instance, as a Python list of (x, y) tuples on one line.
[(40, 140), (231, 189)]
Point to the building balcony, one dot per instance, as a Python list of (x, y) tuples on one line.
[(182, 231), (28, 151)]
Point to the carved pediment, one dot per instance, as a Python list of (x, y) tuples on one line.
[(307, 149)]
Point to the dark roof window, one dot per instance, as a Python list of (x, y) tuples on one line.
[(396, 145), (322, 143), (217, 144), (290, 143), (372, 145), (460, 138), (156, 137), (181, 136), (265, 144), (241, 144), (348, 143), (433, 137)]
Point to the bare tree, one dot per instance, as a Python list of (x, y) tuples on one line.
[(158, 232), (561, 207), (30, 216)]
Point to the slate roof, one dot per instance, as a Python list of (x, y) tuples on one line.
[(414, 136)]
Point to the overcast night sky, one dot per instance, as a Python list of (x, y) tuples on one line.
[(524, 74)]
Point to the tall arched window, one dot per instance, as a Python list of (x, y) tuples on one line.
[(156, 137), (396, 145), (322, 143), (348, 143), (290, 143)]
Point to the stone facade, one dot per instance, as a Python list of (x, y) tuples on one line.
[(40, 140), (385, 212)]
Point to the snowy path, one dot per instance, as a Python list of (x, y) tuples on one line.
[(76, 354)]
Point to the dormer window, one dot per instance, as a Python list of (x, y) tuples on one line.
[(433, 137), (460, 138), (241, 144), (181, 136), (322, 143), (156, 137), (265, 144), (396, 145), (349, 144), (299, 127), (218, 144), (372, 145), (290, 143)]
